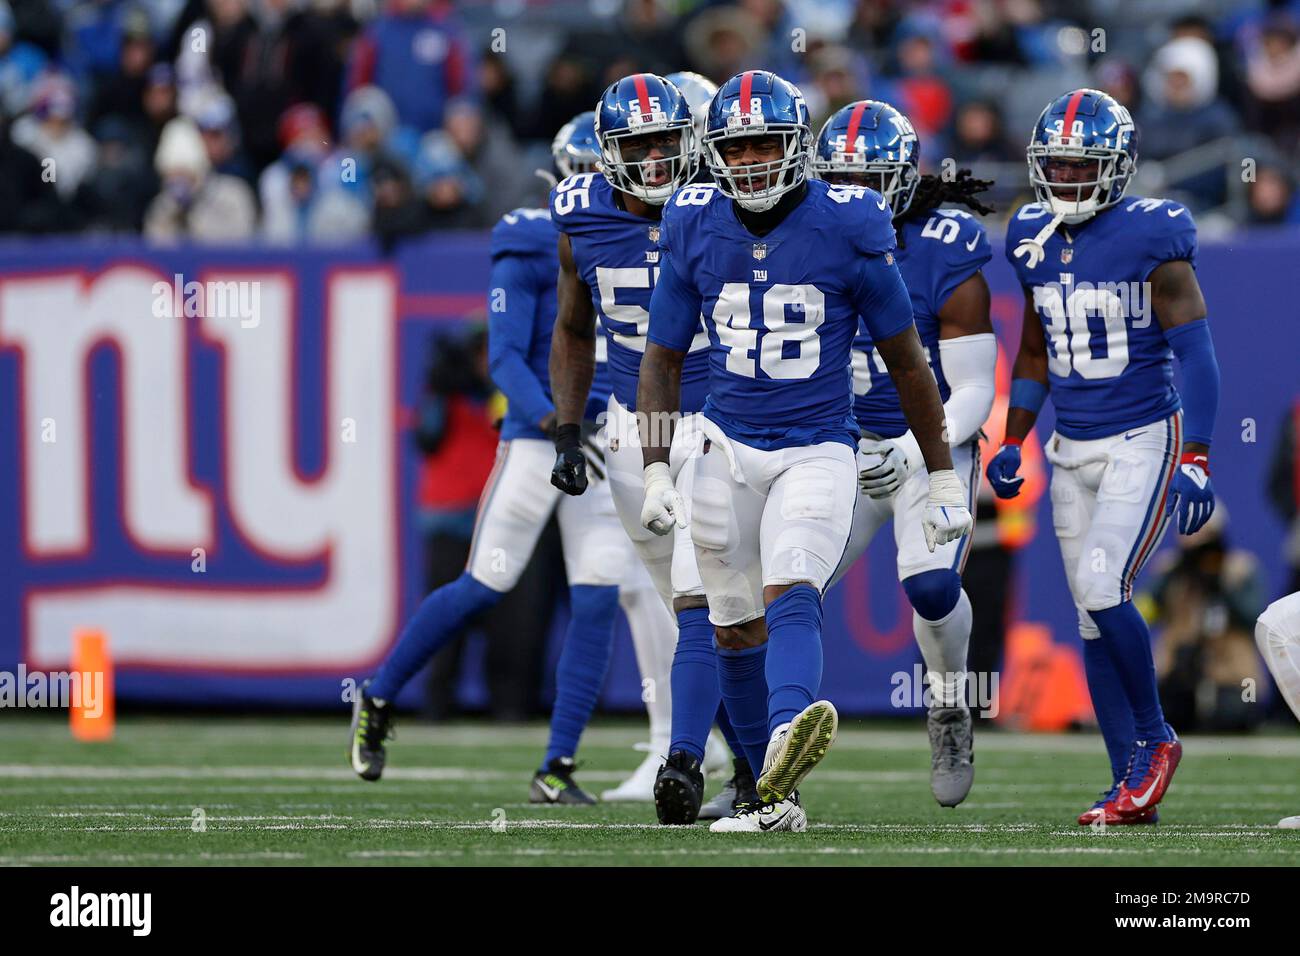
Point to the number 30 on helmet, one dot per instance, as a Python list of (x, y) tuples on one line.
[(1082, 154)]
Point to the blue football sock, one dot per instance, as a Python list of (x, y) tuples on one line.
[(743, 677), (437, 620), (794, 657), (1128, 641), (580, 673), (723, 720), (1114, 715), (694, 682)]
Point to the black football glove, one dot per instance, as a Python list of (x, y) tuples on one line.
[(592, 450), (569, 473)]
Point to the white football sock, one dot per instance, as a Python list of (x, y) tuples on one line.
[(943, 645), (654, 638)]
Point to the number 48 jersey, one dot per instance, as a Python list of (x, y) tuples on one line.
[(617, 256), (781, 310), (1108, 364)]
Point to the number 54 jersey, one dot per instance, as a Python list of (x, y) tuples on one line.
[(1109, 366), (781, 310)]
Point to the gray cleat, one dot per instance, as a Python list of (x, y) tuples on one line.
[(952, 761), (736, 791)]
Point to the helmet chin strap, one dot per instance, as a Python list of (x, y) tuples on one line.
[(759, 205), (1031, 250)]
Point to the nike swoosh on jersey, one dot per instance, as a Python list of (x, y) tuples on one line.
[(882, 205), (970, 246), (1142, 800), (1174, 212)]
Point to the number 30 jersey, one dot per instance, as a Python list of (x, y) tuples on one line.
[(617, 256), (1109, 367), (935, 256), (782, 309)]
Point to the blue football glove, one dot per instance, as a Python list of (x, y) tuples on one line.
[(1192, 494), (1002, 472)]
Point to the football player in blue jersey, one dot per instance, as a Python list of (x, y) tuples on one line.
[(609, 225), (1110, 298), (515, 506), (781, 268), (940, 254)]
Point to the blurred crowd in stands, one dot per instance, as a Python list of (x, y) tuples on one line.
[(325, 121)]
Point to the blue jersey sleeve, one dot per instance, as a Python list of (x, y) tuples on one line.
[(962, 258), (881, 297), (512, 311), (874, 233), (1169, 234), (674, 307)]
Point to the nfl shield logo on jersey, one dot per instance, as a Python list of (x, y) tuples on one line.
[(1066, 255), (760, 250), (653, 233)]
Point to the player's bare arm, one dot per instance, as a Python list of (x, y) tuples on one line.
[(1030, 365), (1181, 311), (658, 396), (573, 343), (572, 367), (1177, 300), (918, 395), (967, 310)]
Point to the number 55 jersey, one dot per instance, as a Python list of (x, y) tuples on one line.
[(1109, 366)]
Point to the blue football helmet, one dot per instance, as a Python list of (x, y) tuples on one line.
[(698, 91), (575, 148), (870, 143), (758, 103), (1082, 154), (629, 115)]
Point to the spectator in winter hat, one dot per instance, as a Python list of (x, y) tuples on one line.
[(195, 203), (51, 133)]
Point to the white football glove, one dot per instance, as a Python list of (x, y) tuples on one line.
[(663, 506), (883, 479), (946, 516)]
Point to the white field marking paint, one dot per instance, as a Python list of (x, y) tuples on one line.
[(474, 775), (38, 859), (254, 732)]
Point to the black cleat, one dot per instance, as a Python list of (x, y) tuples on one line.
[(555, 784), (735, 792), (372, 724), (679, 790)]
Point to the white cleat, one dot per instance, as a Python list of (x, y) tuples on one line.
[(1289, 823), (640, 787), (796, 748), (784, 815), (717, 755)]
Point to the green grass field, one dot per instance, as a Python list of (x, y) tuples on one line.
[(279, 792)]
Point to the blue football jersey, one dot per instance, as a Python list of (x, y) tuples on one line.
[(617, 256), (521, 310), (781, 310), (1109, 367), (935, 256)]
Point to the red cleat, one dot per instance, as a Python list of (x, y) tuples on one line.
[(1149, 777), (1104, 810)]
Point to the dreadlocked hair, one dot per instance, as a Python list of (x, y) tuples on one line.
[(933, 191)]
